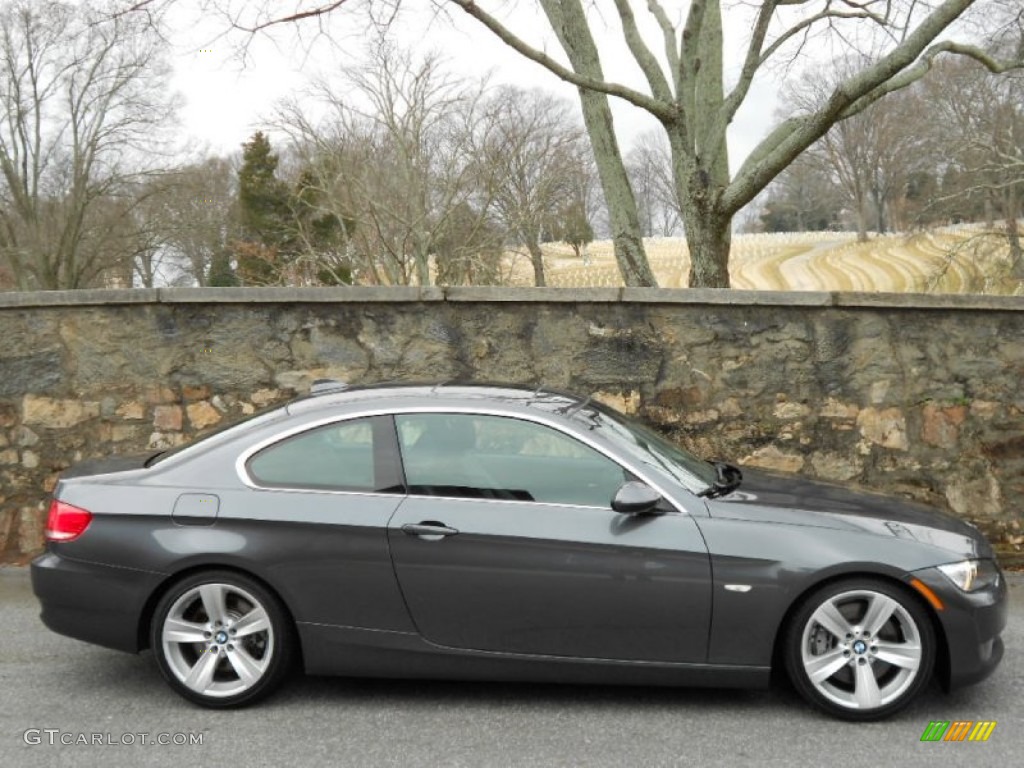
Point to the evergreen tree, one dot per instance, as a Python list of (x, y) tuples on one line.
[(221, 274), (571, 225), (264, 212)]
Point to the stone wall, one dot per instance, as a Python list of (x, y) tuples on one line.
[(917, 395)]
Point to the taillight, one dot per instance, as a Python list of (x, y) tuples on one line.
[(66, 522)]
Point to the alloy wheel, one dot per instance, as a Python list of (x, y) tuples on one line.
[(218, 640), (861, 648)]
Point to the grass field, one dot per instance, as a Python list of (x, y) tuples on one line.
[(959, 259)]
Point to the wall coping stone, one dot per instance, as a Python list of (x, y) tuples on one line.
[(413, 294)]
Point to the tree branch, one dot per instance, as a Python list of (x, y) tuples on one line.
[(756, 58), (656, 107), (892, 72), (689, 62), (751, 64), (298, 16), (321, 10), (923, 66), (648, 64), (669, 33)]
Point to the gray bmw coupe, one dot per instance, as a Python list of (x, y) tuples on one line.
[(486, 532)]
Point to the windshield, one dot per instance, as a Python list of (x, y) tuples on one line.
[(648, 446)]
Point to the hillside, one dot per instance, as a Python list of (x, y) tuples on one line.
[(959, 259)]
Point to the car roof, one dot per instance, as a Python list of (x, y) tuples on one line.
[(451, 392), (334, 395)]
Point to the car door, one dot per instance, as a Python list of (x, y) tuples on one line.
[(507, 542), (317, 514)]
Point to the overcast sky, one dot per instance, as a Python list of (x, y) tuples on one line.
[(224, 99)]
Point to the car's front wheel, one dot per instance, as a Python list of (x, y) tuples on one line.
[(221, 639), (860, 649)]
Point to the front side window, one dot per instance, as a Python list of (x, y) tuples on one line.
[(348, 455), (495, 457)]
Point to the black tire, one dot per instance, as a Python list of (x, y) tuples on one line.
[(842, 665), (232, 660)]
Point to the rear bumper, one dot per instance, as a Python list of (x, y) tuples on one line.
[(95, 603), (972, 624)]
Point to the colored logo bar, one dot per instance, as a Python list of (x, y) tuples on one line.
[(958, 730)]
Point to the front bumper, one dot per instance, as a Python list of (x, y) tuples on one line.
[(91, 602), (971, 623)]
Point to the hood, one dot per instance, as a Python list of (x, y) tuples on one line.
[(795, 500)]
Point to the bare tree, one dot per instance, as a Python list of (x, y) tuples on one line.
[(688, 95), (872, 154), (649, 164), (84, 105), (190, 215), (804, 197), (687, 91), (978, 127), (141, 231), (534, 151), (393, 160)]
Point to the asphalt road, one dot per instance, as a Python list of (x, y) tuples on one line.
[(51, 682)]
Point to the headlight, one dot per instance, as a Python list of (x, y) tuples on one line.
[(972, 575)]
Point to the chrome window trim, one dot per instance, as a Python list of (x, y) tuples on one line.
[(329, 491), (243, 458), (508, 501), (402, 495)]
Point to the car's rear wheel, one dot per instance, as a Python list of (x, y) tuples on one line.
[(860, 649), (222, 639)]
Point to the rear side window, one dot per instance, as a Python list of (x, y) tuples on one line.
[(355, 455)]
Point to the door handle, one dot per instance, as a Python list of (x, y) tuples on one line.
[(430, 530)]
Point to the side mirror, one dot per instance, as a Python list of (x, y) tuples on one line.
[(635, 498)]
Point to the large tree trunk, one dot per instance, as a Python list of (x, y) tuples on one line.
[(861, 204), (879, 202), (700, 164), (709, 237), (627, 235), (1013, 234), (989, 207), (537, 259), (570, 25), (421, 257), (423, 271), (1016, 254)]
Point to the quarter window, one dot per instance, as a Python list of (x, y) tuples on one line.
[(496, 457), (356, 455)]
